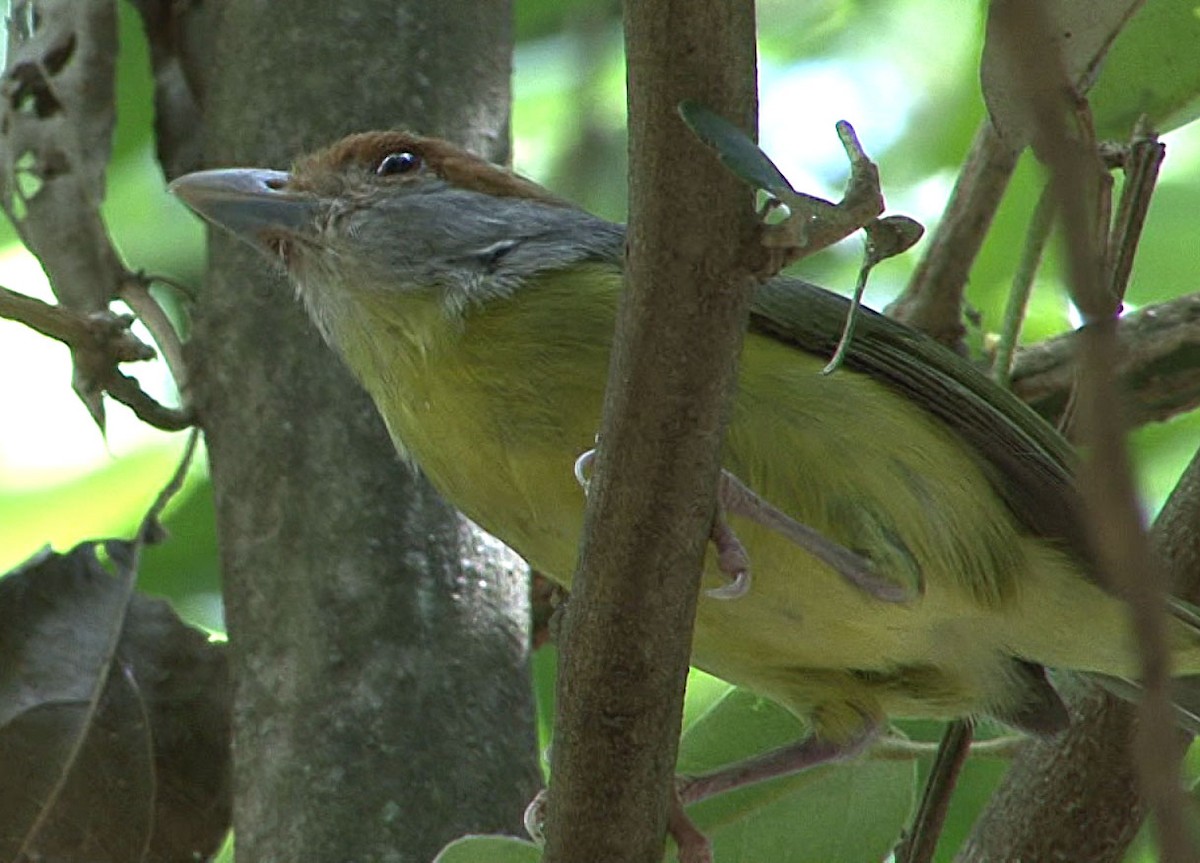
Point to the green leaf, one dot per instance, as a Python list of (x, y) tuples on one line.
[(1152, 69), (225, 855), (489, 849), (849, 812), (735, 150)]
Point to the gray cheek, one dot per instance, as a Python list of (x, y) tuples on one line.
[(321, 274)]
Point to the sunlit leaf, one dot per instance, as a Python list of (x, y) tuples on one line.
[(1152, 69), (1081, 31)]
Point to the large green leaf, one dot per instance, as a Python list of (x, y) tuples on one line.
[(1153, 68), (851, 812), (1081, 31)]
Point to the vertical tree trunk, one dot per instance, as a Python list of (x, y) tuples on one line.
[(378, 642)]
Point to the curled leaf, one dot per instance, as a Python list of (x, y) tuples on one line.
[(891, 236)]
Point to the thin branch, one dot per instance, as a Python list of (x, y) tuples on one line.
[(1022, 29), (891, 748), (1145, 157), (76, 330), (933, 300), (129, 392), (1018, 296), (136, 294), (920, 844), (1156, 364), (100, 341), (150, 529)]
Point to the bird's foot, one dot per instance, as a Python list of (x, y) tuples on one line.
[(732, 559)]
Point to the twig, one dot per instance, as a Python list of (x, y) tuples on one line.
[(933, 300), (921, 843), (89, 332), (129, 392), (1156, 364), (105, 341), (815, 223), (150, 528), (1145, 157), (182, 288), (1022, 286), (1122, 547), (892, 748), (136, 294)]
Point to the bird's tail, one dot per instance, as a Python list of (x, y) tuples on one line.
[(1185, 688)]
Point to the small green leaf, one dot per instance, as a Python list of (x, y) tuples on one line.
[(735, 150), (489, 849)]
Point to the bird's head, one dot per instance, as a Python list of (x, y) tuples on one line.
[(383, 212)]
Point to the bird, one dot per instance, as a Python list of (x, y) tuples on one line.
[(477, 309)]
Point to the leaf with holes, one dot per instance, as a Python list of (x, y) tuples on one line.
[(56, 123)]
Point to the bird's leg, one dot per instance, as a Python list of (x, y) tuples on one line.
[(734, 497), (784, 761), (812, 751)]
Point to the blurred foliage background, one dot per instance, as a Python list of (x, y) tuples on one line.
[(904, 72)]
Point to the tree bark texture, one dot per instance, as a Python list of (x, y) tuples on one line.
[(691, 250), (379, 642)]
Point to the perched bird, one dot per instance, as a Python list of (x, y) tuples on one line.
[(477, 309)]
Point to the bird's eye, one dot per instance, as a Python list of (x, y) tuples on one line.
[(398, 163)]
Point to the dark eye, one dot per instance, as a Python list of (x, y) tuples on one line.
[(398, 163)]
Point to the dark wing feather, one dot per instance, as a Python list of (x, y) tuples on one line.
[(1029, 463)]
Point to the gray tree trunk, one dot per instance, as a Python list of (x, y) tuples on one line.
[(379, 645)]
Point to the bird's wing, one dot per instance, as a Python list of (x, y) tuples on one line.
[(1029, 463)]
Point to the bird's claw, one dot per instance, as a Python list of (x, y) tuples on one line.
[(582, 464), (534, 818), (732, 559)]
